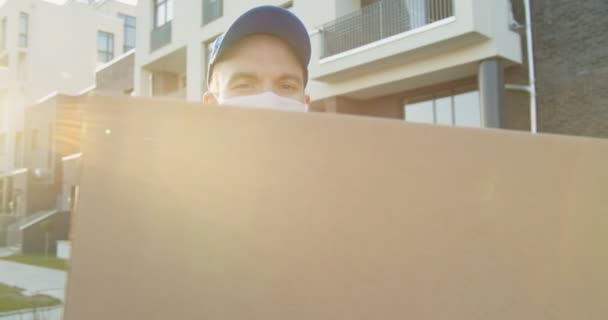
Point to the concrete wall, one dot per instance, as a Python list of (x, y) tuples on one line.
[(118, 76), (34, 236)]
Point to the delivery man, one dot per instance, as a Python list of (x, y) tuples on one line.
[(261, 61)]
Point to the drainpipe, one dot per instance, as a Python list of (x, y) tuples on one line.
[(531, 87)]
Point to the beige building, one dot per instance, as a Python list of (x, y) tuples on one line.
[(49, 47), (438, 61)]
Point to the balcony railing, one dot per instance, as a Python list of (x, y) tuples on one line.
[(381, 20), (160, 36)]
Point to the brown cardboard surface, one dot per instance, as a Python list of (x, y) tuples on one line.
[(196, 212)]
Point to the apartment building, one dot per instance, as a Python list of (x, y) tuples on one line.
[(46, 188), (368, 57), (446, 62), (46, 48)]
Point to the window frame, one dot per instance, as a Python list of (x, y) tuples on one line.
[(207, 19), (433, 98), (129, 23), (110, 46), (157, 4), (24, 30)]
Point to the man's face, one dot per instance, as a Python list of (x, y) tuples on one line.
[(254, 65)]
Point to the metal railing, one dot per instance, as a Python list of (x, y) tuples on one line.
[(160, 36), (380, 20)]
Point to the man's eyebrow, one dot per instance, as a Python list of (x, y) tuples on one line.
[(242, 75), (292, 76)]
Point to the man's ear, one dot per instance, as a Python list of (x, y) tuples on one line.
[(209, 98), (307, 100)]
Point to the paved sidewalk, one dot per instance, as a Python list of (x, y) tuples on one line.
[(53, 313), (34, 279), (5, 252)]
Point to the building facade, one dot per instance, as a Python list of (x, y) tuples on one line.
[(49, 48), (368, 57), (446, 62)]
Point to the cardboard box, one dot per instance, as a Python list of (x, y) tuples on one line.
[(197, 212)]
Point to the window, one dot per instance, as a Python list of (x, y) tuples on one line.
[(459, 110), (105, 46), (467, 111), (212, 10), (129, 24), (3, 34), (163, 12), (162, 31), (23, 29)]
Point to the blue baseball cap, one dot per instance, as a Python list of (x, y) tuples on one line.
[(271, 20)]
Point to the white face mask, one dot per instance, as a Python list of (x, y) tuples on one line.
[(266, 99)]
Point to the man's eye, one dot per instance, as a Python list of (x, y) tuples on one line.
[(287, 86), (241, 86)]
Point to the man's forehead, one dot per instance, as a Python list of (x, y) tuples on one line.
[(260, 53), (256, 42)]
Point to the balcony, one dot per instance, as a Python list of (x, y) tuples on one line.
[(160, 36), (379, 21), (409, 44)]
